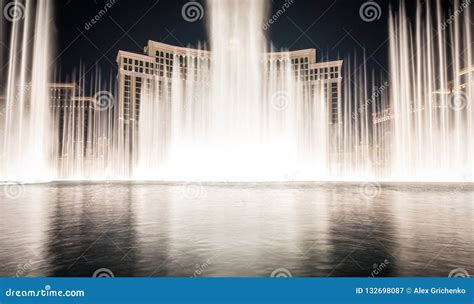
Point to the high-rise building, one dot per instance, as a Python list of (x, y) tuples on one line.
[(72, 116), (138, 73)]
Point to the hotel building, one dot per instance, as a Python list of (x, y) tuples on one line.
[(385, 116), (72, 116), (140, 72)]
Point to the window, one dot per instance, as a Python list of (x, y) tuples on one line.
[(334, 103)]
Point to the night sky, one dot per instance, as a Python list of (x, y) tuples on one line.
[(326, 25), (333, 27)]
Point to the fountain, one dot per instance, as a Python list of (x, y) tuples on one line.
[(26, 141), (243, 119), (241, 116), (432, 74)]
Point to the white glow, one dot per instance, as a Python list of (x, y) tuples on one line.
[(241, 117)]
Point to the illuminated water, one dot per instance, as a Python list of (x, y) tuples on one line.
[(147, 229), (26, 130), (245, 119), (432, 93)]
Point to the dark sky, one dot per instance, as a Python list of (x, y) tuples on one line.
[(333, 27)]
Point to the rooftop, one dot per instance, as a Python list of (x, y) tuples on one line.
[(153, 46)]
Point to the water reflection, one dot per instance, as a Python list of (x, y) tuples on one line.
[(70, 229)]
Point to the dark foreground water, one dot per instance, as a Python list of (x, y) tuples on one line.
[(144, 229)]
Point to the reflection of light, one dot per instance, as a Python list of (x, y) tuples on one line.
[(450, 91), (442, 92), (465, 71)]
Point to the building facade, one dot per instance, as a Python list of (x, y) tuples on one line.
[(73, 118), (137, 74)]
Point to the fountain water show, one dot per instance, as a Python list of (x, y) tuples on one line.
[(238, 139), (238, 109)]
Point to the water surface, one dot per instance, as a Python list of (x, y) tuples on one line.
[(302, 229)]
